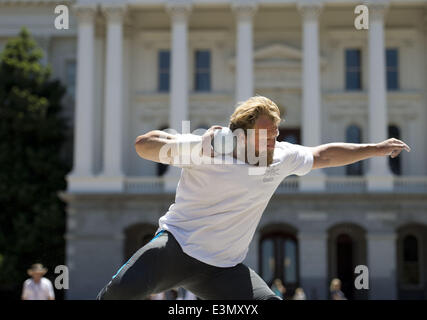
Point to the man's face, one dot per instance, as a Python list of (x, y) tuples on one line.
[(264, 146), (36, 276)]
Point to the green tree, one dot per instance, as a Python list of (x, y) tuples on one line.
[(32, 133)]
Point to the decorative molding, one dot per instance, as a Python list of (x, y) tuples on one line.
[(313, 216), (85, 13), (377, 9), (375, 236), (381, 216), (37, 2), (179, 10), (309, 10), (154, 108), (348, 36), (244, 9), (405, 105), (312, 235), (114, 13), (193, 36)]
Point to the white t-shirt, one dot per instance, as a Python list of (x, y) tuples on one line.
[(218, 206), (43, 290)]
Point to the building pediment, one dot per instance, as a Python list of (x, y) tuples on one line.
[(278, 52), (278, 55), (277, 66)]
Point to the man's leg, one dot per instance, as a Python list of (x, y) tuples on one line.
[(235, 283), (158, 266)]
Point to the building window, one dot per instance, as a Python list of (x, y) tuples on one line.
[(291, 135), (70, 77), (268, 262), (411, 262), (392, 68), (353, 71), (279, 259), (203, 70), (345, 264), (394, 163), (164, 70), (353, 134)]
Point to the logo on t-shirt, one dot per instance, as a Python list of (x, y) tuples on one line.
[(270, 173)]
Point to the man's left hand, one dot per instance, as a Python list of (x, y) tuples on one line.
[(391, 147)]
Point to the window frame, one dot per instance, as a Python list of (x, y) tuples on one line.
[(67, 84), (397, 67), (198, 72), (279, 238), (161, 71), (406, 286), (360, 70)]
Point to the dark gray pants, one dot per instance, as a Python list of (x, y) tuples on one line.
[(161, 265)]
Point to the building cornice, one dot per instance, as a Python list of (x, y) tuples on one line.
[(36, 2), (393, 198)]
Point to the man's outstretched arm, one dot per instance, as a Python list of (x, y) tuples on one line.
[(149, 146), (340, 154)]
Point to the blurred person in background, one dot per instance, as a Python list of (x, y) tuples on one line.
[(278, 288), (158, 296), (185, 294), (335, 290), (172, 294), (299, 294), (37, 287)]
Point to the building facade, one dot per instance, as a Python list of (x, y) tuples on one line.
[(132, 66)]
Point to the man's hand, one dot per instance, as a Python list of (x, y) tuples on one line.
[(391, 147), (207, 137)]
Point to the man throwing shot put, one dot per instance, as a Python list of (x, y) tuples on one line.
[(204, 236)]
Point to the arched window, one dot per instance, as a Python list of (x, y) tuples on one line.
[(279, 259), (345, 264), (353, 134), (394, 163), (347, 248), (411, 263)]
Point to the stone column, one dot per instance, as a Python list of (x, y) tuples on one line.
[(178, 112), (382, 265), (84, 113), (313, 263), (113, 112), (244, 11), (379, 176), (311, 96)]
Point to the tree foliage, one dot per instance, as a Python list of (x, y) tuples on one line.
[(32, 133)]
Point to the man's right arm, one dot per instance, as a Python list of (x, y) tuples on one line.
[(148, 146), (163, 147)]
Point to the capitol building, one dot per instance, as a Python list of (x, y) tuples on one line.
[(131, 66)]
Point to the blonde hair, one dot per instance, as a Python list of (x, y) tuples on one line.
[(247, 112)]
